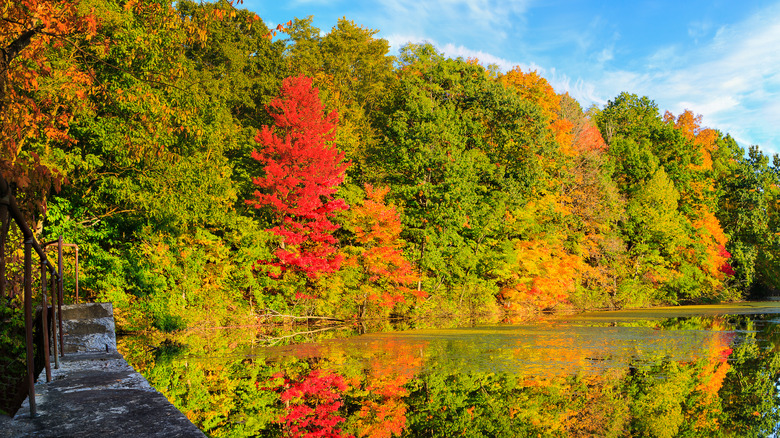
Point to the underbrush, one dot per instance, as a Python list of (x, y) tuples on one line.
[(13, 368)]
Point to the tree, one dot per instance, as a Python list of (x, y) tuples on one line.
[(149, 174), (240, 69), (748, 211), (385, 277), (596, 209), (302, 172), (536, 89), (38, 96)]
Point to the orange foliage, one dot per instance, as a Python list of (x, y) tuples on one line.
[(377, 228), (589, 139), (686, 122), (705, 138), (562, 132), (30, 28), (535, 88), (713, 374), (384, 414), (281, 28), (711, 234)]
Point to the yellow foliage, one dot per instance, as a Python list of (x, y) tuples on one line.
[(546, 275)]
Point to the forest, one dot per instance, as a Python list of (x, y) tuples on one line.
[(216, 172)]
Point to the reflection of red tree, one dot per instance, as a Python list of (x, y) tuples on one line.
[(311, 405), (384, 414)]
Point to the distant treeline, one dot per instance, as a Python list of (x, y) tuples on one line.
[(379, 185)]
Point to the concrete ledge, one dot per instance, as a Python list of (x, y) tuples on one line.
[(98, 395), (88, 327)]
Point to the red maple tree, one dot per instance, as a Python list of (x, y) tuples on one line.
[(303, 169)]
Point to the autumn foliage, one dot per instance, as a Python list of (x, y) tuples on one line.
[(387, 277), (146, 106), (302, 171), (38, 100), (312, 404), (536, 89)]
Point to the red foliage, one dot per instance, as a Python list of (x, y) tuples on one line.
[(302, 171), (726, 267), (312, 405), (590, 139)]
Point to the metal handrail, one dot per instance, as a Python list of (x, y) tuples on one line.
[(7, 201)]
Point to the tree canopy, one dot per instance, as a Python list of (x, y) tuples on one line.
[(213, 169)]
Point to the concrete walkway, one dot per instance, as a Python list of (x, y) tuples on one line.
[(97, 394)]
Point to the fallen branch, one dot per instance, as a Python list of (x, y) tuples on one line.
[(275, 314)]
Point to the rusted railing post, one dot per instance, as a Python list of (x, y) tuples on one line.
[(28, 323), (54, 321), (5, 224), (59, 292), (77, 273), (45, 322)]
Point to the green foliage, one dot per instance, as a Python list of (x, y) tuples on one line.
[(451, 174)]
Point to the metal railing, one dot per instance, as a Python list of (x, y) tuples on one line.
[(10, 209)]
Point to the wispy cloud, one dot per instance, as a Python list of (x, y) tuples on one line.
[(478, 13), (452, 21), (735, 80), (732, 79), (699, 29), (485, 58)]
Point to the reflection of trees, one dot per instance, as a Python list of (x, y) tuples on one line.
[(379, 395), (392, 387), (311, 404), (331, 389), (750, 394)]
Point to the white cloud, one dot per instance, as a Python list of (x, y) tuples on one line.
[(450, 20), (732, 79), (699, 29), (479, 13), (397, 41), (606, 55), (485, 58)]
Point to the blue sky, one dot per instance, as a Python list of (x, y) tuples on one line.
[(718, 58)]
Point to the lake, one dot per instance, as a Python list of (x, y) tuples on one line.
[(662, 372)]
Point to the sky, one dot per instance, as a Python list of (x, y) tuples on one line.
[(717, 58)]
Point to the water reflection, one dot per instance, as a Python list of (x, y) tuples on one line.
[(703, 371)]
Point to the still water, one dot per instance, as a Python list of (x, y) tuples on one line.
[(664, 372)]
